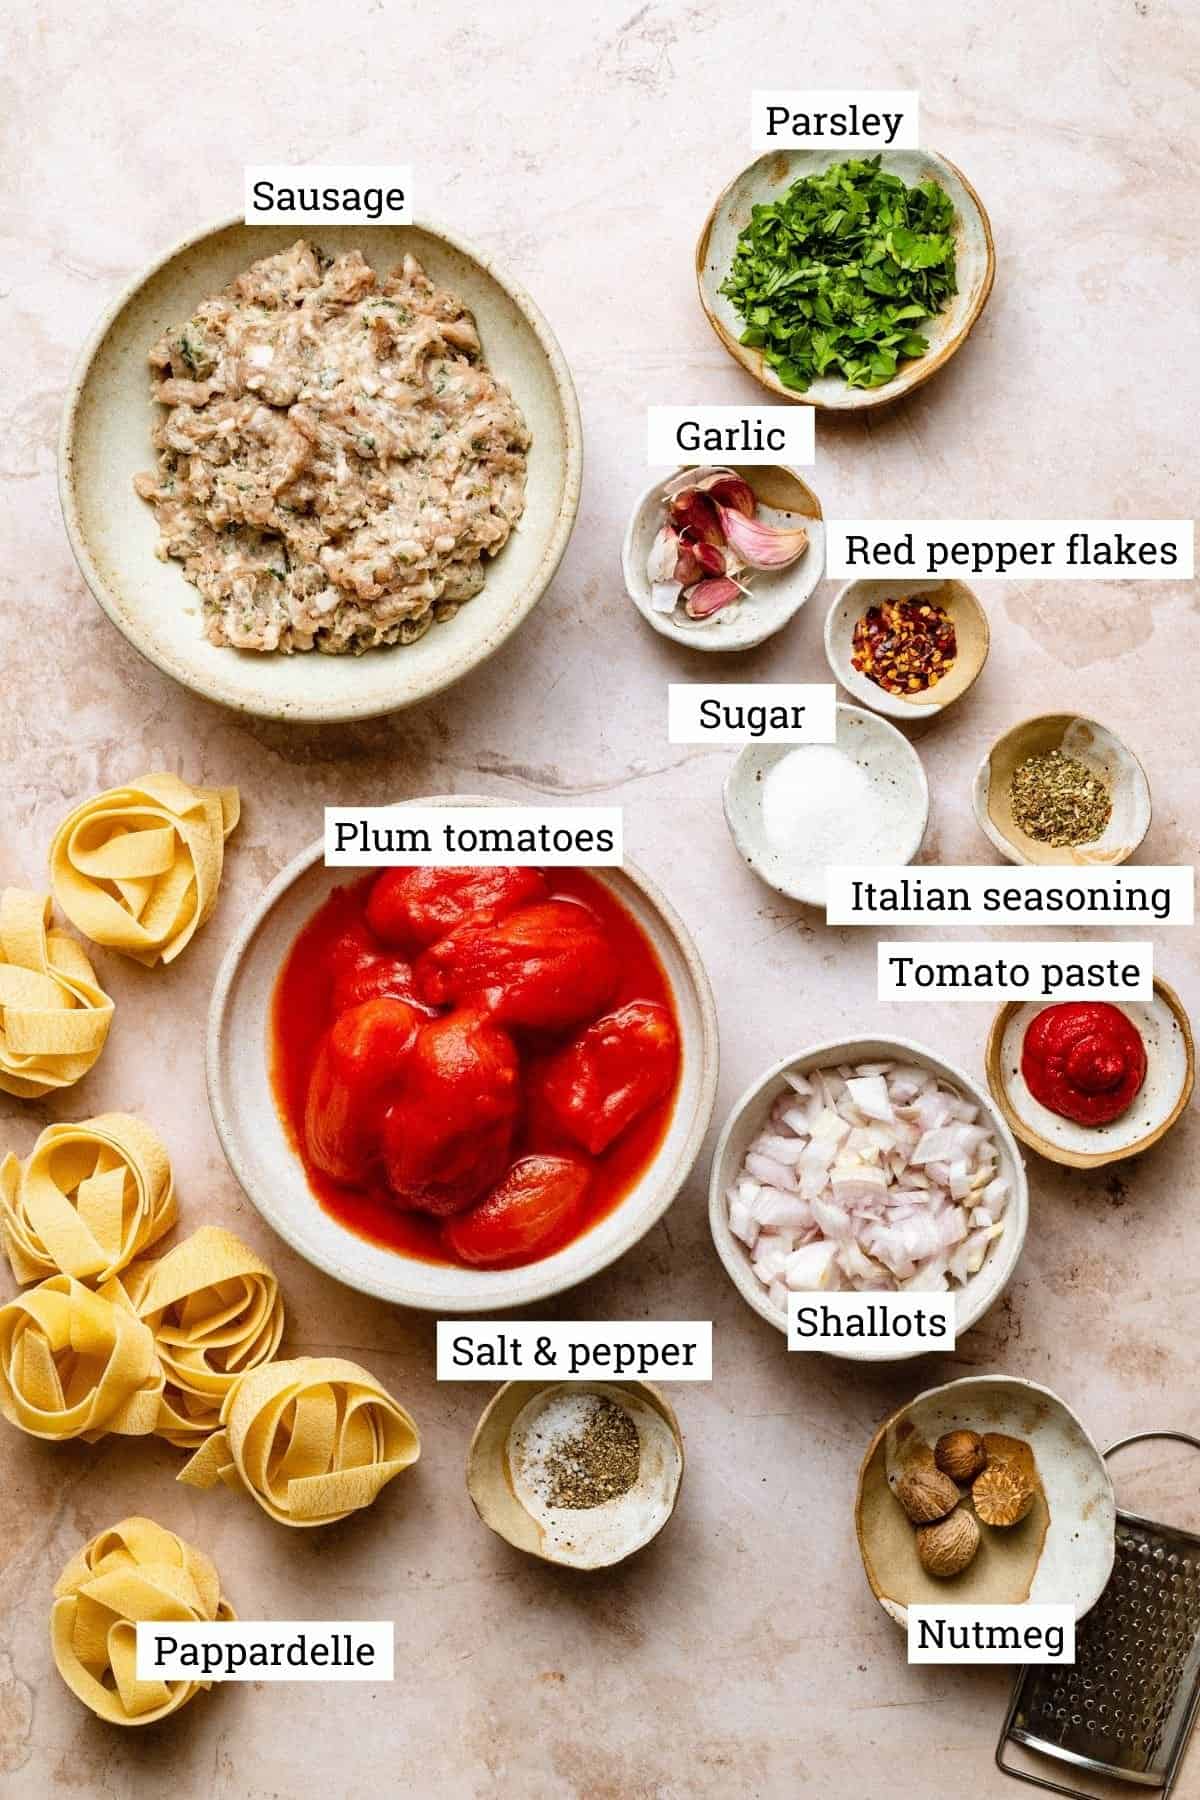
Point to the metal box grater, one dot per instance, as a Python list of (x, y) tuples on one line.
[(1125, 1707)]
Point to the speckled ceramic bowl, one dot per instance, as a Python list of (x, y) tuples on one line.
[(746, 1120), (105, 441), (494, 1495), (1060, 1555), (970, 632), (897, 784), (1164, 1028), (767, 179), (1101, 751), (262, 1156), (776, 595)]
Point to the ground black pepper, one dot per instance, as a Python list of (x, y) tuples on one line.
[(600, 1463)]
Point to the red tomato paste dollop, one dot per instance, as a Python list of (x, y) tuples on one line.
[(1084, 1060), (475, 1065)]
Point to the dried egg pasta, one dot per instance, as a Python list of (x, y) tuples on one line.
[(75, 1363), (87, 1200), (138, 867), (216, 1313), (54, 1017), (311, 1440), (135, 1570)]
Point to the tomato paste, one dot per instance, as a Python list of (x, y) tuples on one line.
[(475, 1066), (1084, 1060)]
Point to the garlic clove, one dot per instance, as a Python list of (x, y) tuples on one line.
[(711, 559), (709, 596), (693, 514), (690, 478), (664, 596), (725, 489), (760, 546), (660, 563)]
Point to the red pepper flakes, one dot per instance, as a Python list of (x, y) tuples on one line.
[(904, 646)]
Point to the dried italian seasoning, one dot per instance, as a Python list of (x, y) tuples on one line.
[(596, 1459), (1058, 800)]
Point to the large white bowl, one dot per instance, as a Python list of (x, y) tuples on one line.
[(105, 441), (750, 1114), (265, 1162)]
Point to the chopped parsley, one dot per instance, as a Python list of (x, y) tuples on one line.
[(835, 276)]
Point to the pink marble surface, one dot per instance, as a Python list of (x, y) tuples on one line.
[(743, 1653)]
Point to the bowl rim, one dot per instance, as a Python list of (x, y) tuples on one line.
[(710, 641), (645, 1391), (742, 760), (1086, 1159), (900, 1612), (733, 1253), (532, 1289), (979, 791), (864, 398), (316, 712), (896, 706)]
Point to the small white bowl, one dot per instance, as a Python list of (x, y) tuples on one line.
[(746, 1121), (260, 1153), (1101, 751), (776, 595), (896, 777), (1064, 1559), (1164, 1028), (105, 441), (970, 630)]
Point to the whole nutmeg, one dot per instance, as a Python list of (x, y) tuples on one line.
[(926, 1494), (961, 1455), (1004, 1493), (946, 1547)]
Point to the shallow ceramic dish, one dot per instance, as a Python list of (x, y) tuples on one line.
[(261, 1155), (1101, 751), (896, 778), (746, 1121), (491, 1485), (776, 595), (105, 441), (970, 631), (769, 178), (1170, 1077), (1061, 1555)]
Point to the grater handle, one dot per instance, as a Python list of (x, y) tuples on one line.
[(1146, 1437)]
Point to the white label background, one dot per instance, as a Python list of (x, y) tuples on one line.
[(1037, 957), (1023, 1618), (795, 422), (1179, 883), (835, 100), (564, 1335), (378, 1633), (436, 821), (818, 725), (838, 562), (384, 176)]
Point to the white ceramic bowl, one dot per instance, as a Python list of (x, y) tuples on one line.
[(971, 634), (746, 1121), (1165, 1030), (1074, 1560), (1090, 743), (105, 441), (896, 778), (768, 178), (260, 1154), (776, 595)]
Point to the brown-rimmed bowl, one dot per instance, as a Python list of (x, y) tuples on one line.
[(1101, 751), (1166, 1032), (492, 1487), (971, 634), (260, 1151), (105, 441), (1061, 1554), (767, 179)]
